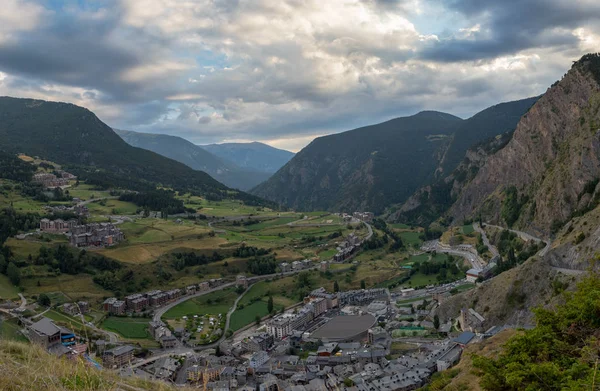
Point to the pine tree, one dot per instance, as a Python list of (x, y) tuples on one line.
[(13, 273), (44, 300), (270, 305), (363, 284), (336, 286), (436, 322)]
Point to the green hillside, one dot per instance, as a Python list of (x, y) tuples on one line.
[(73, 136), (376, 166)]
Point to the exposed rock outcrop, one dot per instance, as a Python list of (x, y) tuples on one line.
[(553, 155)]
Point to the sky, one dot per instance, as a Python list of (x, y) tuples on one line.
[(286, 71)]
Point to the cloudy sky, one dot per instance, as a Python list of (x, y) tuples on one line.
[(286, 71)]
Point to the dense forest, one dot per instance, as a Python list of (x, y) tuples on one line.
[(156, 200), (98, 155), (13, 168)]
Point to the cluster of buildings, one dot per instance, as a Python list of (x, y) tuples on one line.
[(473, 275), (363, 296), (95, 234), (79, 210), (84, 235), (57, 340), (319, 302), (364, 216), (347, 248), (296, 265), (139, 302), (57, 226), (81, 307), (50, 180)]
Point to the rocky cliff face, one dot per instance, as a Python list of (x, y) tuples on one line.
[(550, 161)]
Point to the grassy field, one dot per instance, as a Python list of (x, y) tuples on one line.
[(112, 207), (221, 208), (132, 328), (148, 252), (7, 289), (247, 315), (156, 230), (418, 258), (70, 322), (86, 192), (77, 287), (411, 238), (468, 229), (212, 303), (9, 330)]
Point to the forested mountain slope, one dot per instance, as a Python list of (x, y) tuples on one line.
[(373, 167), (366, 168), (253, 156), (74, 136), (195, 157)]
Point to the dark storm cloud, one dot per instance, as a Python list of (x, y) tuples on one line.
[(510, 26), (79, 50)]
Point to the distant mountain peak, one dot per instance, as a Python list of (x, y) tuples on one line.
[(253, 156)]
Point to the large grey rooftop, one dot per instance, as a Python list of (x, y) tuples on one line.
[(344, 327)]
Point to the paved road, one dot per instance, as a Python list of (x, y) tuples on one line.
[(570, 272), (166, 353), (370, 230), (82, 203), (476, 261), (159, 312), (23, 302), (527, 237), (486, 241)]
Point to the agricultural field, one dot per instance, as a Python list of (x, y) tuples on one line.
[(87, 192), (147, 252), (112, 207), (7, 289), (222, 208), (131, 328), (411, 238), (76, 287), (22, 204), (156, 230)]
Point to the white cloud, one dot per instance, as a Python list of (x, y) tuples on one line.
[(280, 71), (19, 15)]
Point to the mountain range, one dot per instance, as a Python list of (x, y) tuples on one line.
[(253, 156), (376, 166), (208, 159), (73, 136)]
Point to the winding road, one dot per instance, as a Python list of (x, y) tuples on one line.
[(526, 237), (493, 250)]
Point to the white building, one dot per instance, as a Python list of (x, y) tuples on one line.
[(258, 359)]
